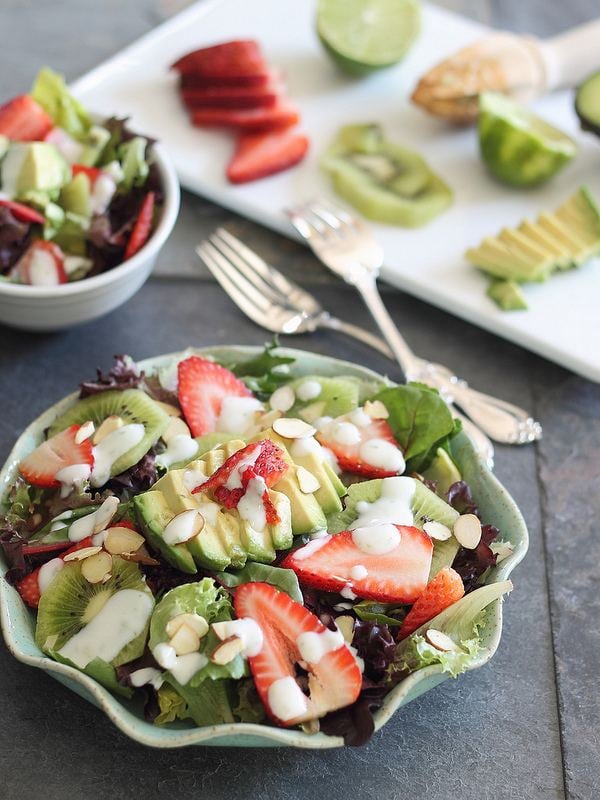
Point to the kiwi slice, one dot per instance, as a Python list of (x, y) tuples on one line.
[(132, 405), (338, 396), (70, 602)]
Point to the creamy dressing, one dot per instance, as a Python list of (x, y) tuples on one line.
[(238, 414), (194, 476), (103, 191), (208, 509), (251, 507), (345, 433), (382, 454), (146, 675), (308, 390), (360, 418), (358, 572), (306, 446), (72, 476), (378, 539), (165, 655), (182, 668), (347, 592), (286, 700), (180, 448), (122, 618), (111, 448), (234, 481), (393, 505), (330, 457), (247, 630), (182, 527), (322, 422), (94, 522), (48, 572), (311, 548), (314, 646)]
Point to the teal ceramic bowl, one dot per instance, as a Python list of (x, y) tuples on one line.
[(18, 622)]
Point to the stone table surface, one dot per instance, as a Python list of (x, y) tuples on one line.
[(526, 725)]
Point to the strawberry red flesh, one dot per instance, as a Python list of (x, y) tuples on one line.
[(349, 455), (239, 58), (202, 387), (93, 173), (24, 120), (397, 576), (334, 681), (143, 225), (39, 468), (229, 97), (23, 213), (262, 154), (278, 117), (442, 591), (29, 586)]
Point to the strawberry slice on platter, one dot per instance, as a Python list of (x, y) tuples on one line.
[(249, 120), (261, 154), (241, 59), (384, 562), (24, 120), (230, 97), (43, 466), (292, 635), (202, 387)]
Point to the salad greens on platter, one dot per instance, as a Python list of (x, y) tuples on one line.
[(236, 545), (78, 195)]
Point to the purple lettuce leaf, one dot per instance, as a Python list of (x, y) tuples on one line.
[(460, 497), (472, 564), (139, 478), (15, 237), (124, 374)]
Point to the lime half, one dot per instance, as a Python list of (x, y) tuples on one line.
[(365, 35), (517, 146)]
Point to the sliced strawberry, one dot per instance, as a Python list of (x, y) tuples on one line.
[(203, 385), (24, 120), (398, 575), (241, 58), (39, 468), (442, 591), (29, 587), (370, 450), (280, 116), (22, 212), (260, 154), (189, 80), (143, 226), (334, 680), (42, 264), (93, 173), (229, 97)]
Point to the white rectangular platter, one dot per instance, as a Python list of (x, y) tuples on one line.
[(563, 322)]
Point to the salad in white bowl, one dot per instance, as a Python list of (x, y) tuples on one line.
[(239, 546)]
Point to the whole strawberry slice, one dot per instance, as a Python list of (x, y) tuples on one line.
[(42, 264), (239, 58), (229, 97), (442, 591), (41, 466), (370, 450), (384, 562), (29, 586), (22, 212), (24, 120), (261, 154), (202, 387), (143, 226), (278, 117), (190, 80), (292, 634)]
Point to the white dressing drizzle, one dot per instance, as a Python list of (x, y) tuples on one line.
[(71, 477), (308, 390), (382, 454), (146, 675), (237, 414), (251, 507), (180, 448), (314, 646), (111, 448), (286, 699), (311, 548), (393, 504), (378, 539), (85, 526), (246, 629)]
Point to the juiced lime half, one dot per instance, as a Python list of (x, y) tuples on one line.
[(517, 146), (365, 35)]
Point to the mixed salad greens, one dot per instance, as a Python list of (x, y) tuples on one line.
[(241, 545), (77, 196)]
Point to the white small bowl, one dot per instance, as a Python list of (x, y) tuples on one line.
[(50, 308)]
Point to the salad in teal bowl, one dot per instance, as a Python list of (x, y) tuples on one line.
[(245, 547)]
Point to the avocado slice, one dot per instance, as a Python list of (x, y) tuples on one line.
[(153, 514), (33, 166), (75, 196), (507, 295), (443, 471)]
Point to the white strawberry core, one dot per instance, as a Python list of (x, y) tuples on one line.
[(42, 269), (311, 548), (286, 699), (314, 646), (376, 539), (237, 414), (382, 454)]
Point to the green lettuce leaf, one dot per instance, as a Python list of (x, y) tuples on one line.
[(421, 422), (52, 93), (211, 706), (284, 579), (132, 155), (248, 707), (372, 611), (99, 670), (461, 622), (172, 705), (264, 373)]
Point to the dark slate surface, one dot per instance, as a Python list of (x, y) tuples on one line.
[(525, 726)]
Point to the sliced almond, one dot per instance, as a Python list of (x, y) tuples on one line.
[(171, 410), (105, 513), (467, 530), (293, 428), (193, 621), (227, 650), (176, 427), (307, 481), (345, 624), (376, 410), (82, 553), (437, 531), (85, 431), (441, 641), (221, 630), (185, 640), (95, 568), (282, 399), (502, 550), (109, 425), (183, 527), (122, 540), (141, 556)]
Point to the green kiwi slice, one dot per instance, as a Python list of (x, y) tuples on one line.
[(70, 602), (132, 405)]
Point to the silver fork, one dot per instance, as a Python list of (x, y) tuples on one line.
[(346, 245), (281, 306)]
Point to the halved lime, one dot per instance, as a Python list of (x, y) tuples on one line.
[(517, 146), (365, 35)]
